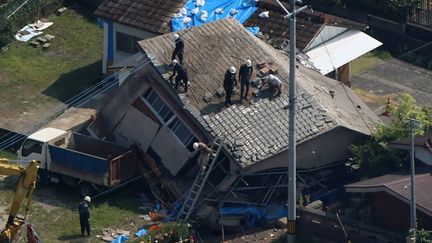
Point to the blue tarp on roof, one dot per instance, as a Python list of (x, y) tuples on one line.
[(193, 14)]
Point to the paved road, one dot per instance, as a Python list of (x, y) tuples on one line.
[(396, 77)]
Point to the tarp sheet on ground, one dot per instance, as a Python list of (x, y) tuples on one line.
[(270, 212), (198, 12)]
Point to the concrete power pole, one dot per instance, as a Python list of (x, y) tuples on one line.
[(291, 224)]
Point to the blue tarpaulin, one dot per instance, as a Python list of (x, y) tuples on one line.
[(193, 14), (120, 239), (269, 212), (141, 232), (254, 30)]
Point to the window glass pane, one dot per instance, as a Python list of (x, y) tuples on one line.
[(157, 105), (126, 43), (183, 133), (31, 146)]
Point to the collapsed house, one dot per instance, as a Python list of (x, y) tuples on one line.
[(148, 112)]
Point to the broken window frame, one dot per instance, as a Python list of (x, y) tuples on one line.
[(157, 105), (150, 97)]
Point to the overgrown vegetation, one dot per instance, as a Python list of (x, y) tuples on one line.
[(377, 157), (424, 236)]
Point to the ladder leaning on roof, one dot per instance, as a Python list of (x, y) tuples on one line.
[(199, 183)]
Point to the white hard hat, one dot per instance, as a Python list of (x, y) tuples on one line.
[(248, 62), (174, 61), (271, 76), (176, 36), (232, 69), (195, 146), (87, 199)]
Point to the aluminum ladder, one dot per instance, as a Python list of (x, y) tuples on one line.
[(199, 183)]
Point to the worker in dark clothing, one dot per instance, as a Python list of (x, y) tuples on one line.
[(182, 75), (179, 48), (229, 83), (84, 215), (245, 75)]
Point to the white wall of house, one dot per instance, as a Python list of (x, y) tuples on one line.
[(119, 55)]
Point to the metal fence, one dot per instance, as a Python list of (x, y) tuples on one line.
[(421, 17)]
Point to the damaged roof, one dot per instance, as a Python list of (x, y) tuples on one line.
[(151, 15), (275, 28), (399, 186), (256, 131)]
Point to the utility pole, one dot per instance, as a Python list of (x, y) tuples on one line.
[(291, 223), (417, 124)]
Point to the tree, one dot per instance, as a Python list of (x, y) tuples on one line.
[(376, 157), (424, 236)]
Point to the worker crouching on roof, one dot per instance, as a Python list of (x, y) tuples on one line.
[(182, 75), (179, 48), (273, 82), (204, 156), (245, 75), (229, 83), (84, 215)]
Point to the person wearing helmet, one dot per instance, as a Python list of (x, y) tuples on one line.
[(229, 83), (273, 82), (182, 75), (245, 75), (204, 156), (179, 48), (84, 215)]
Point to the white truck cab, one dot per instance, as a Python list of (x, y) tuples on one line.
[(35, 146)]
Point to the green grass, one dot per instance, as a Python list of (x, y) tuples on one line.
[(61, 224), (8, 155), (33, 77), (368, 61)]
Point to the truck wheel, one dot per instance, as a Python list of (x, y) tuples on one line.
[(42, 178), (86, 189)]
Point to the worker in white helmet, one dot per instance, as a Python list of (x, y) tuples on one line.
[(245, 75), (205, 152), (84, 215), (229, 83), (179, 48), (273, 82)]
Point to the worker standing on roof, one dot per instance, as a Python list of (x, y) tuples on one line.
[(84, 215), (182, 75), (229, 83), (204, 156), (245, 75), (179, 48), (273, 82)]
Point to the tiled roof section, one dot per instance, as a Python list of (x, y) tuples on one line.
[(259, 131), (399, 186), (149, 15), (211, 48), (275, 29)]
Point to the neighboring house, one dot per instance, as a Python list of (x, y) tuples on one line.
[(422, 145), (147, 111), (329, 43), (389, 199), (125, 22)]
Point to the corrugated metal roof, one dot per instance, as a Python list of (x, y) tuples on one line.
[(341, 50)]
